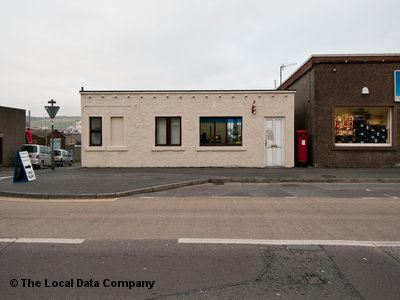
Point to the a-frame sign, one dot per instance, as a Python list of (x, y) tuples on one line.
[(23, 171)]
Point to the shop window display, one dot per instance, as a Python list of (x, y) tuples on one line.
[(362, 125)]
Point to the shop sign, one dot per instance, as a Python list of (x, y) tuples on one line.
[(23, 171), (397, 86)]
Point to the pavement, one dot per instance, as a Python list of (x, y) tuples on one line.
[(78, 182)]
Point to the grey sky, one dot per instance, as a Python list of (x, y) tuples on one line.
[(49, 49)]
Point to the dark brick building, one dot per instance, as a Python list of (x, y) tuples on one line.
[(12, 134), (43, 137), (347, 104)]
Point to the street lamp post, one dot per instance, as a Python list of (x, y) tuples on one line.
[(281, 71)]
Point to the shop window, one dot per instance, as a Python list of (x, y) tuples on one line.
[(117, 131), (361, 126), (224, 131), (95, 131), (168, 131)]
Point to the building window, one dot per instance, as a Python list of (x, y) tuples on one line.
[(95, 131), (221, 131), (117, 131), (361, 126), (168, 131)]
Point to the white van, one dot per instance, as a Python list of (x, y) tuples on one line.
[(39, 155), (62, 158)]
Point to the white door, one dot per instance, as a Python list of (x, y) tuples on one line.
[(274, 129)]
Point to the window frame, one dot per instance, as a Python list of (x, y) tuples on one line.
[(112, 137), (168, 131), (392, 145), (91, 130), (226, 132)]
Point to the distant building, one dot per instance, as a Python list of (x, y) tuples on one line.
[(73, 145), (12, 134), (347, 104), (43, 137)]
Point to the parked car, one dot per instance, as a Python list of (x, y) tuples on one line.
[(62, 157), (38, 154)]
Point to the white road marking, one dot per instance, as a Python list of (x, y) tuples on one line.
[(6, 177), (49, 241), (291, 242), (368, 190), (391, 196), (229, 197), (4, 240)]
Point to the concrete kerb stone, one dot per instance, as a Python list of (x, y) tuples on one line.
[(112, 195), (72, 196), (191, 182), (154, 189), (140, 191), (164, 187), (25, 195)]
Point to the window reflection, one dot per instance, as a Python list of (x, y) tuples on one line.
[(226, 131)]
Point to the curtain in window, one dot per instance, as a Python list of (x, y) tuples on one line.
[(175, 131), (161, 131)]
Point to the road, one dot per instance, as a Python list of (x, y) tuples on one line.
[(143, 238), (203, 217)]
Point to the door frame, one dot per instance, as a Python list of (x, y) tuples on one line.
[(283, 146)]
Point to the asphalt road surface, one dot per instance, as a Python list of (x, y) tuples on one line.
[(101, 246), (166, 269), (359, 219)]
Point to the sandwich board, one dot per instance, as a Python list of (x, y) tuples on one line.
[(23, 171)]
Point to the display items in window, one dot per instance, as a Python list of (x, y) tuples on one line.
[(360, 125)]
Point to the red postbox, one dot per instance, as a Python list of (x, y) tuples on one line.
[(302, 147)]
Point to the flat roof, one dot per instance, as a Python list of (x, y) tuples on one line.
[(182, 91), (339, 59), (13, 108)]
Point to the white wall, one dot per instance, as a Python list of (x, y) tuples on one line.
[(139, 110)]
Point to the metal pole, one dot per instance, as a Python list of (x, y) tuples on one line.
[(52, 147), (52, 136)]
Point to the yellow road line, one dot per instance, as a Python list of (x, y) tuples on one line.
[(56, 200)]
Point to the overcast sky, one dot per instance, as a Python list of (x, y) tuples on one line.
[(50, 49)]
